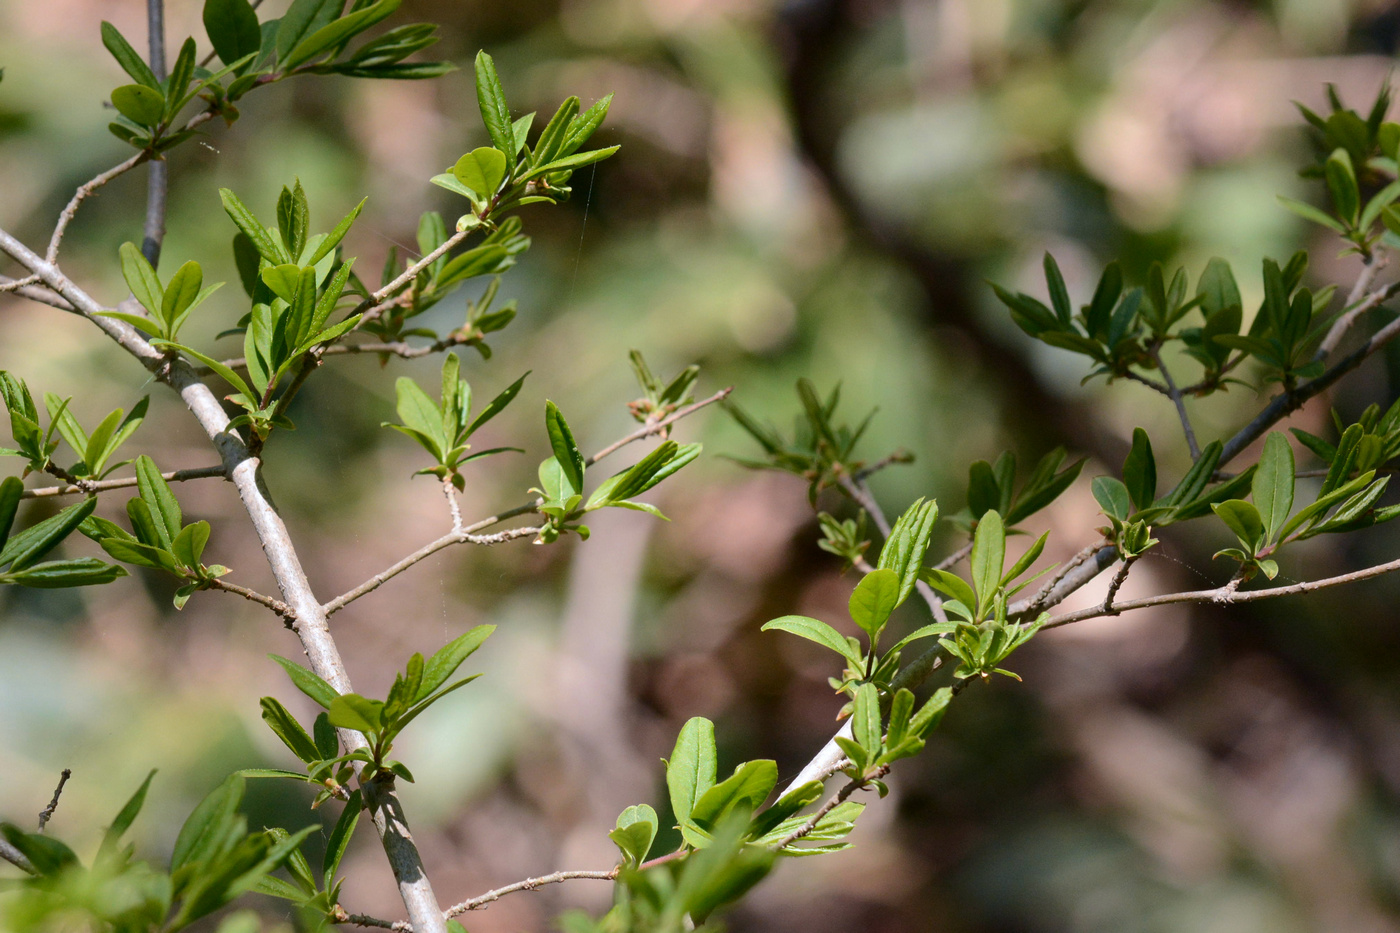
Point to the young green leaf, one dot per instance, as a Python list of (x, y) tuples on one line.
[(491, 98), (1273, 483), (873, 600), (561, 439), (988, 557), (691, 770), (819, 632)]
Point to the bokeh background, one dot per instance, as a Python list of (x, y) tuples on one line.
[(812, 187)]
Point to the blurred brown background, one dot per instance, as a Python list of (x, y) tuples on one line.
[(815, 187)]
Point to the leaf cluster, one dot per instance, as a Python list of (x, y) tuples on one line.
[(442, 429), (821, 450), (418, 687), (216, 859), (510, 173), (561, 479), (21, 553), (295, 281), (1264, 525), (37, 444), (161, 540)]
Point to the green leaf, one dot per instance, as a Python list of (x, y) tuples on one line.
[(222, 371), (497, 405), (139, 104), (11, 491), (155, 492), (1112, 496), (561, 440), (1140, 471), (130, 60), (691, 770), (141, 279), (583, 126), (60, 574), (747, 788), (262, 240), (952, 585), (907, 545), (1244, 520), (285, 727), (552, 137), (48, 856), (1272, 490), (207, 830), (332, 239), (873, 600), (340, 837), (24, 549), (420, 413), (819, 632), (1059, 295), (570, 163), (181, 293), (302, 19), (865, 719), (988, 557), (449, 657), (124, 819), (307, 682), (232, 27), (635, 832), (482, 170), (491, 98), (337, 32), (352, 711), (1308, 212), (1341, 182)]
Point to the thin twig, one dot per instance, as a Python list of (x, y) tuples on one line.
[(15, 857), (899, 456), (650, 429), (287, 614), (373, 306), (1226, 595), (529, 884), (11, 285), (1116, 584), (48, 811), (452, 506), (464, 536), (1044, 592), (90, 486), (954, 557), (836, 800), (1356, 307), (1152, 384), (85, 189), (39, 293), (1175, 394)]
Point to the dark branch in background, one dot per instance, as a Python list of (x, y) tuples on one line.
[(816, 33), (48, 811), (158, 179)]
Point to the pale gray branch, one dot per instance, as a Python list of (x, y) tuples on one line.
[(529, 884), (650, 429), (310, 626)]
